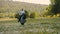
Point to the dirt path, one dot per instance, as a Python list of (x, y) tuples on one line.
[(7, 18)]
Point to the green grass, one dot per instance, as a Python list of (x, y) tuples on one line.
[(32, 26)]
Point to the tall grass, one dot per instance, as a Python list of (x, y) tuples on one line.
[(32, 26)]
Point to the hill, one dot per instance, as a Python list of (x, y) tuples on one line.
[(11, 6)]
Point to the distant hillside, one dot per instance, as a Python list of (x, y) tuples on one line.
[(10, 6)]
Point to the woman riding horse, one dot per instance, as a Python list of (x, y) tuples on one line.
[(22, 17)]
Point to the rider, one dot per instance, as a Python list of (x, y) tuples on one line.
[(22, 14)]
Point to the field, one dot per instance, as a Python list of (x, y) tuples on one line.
[(32, 26)]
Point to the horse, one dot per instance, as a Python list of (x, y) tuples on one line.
[(22, 19)]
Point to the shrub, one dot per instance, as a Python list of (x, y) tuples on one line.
[(58, 15), (32, 15), (16, 15), (27, 13)]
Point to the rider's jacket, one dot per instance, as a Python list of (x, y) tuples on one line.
[(21, 12)]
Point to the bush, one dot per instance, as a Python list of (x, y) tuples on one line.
[(16, 15), (33, 15), (58, 15), (27, 13)]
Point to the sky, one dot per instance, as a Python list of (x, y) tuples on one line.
[(46, 2)]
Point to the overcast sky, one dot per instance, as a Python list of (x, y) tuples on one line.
[(46, 2)]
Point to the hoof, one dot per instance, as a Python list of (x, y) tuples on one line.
[(22, 23)]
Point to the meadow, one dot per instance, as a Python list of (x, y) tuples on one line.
[(49, 25), (32, 26)]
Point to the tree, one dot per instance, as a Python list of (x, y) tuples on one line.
[(55, 4)]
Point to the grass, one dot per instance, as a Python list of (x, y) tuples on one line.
[(32, 26)]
